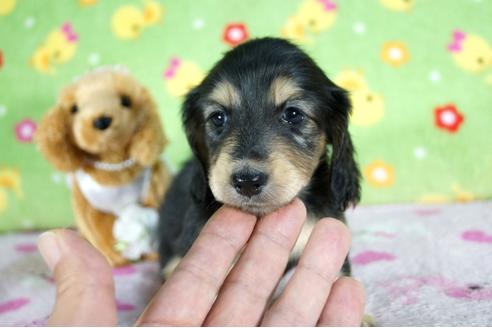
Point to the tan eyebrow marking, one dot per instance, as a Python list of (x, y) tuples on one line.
[(282, 89), (225, 94)]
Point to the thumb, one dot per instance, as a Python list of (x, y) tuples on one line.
[(83, 278)]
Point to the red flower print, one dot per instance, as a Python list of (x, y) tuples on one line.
[(1, 58), (24, 130), (235, 33), (448, 118)]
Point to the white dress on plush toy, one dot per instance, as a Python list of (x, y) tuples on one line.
[(135, 225)]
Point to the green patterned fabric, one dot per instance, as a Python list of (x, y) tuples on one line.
[(419, 72)]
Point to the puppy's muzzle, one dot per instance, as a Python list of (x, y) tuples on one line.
[(249, 182), (102, 122)]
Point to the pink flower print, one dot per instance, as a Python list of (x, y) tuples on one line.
[(69, 33), (24, 130), (170, 71), (456, 44), (328, 5)]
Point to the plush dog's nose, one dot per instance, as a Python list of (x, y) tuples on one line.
[(103, 122), (249, 182)]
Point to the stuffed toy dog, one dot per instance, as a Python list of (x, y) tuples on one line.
[(106, 133)]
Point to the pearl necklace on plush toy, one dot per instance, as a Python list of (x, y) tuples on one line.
[(112, 167)]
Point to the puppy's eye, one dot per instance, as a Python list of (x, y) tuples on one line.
[(74, 109), (292, 115), (126, 101), (218, 119)]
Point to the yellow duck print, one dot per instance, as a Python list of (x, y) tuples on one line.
[(312, 17), (398, 5), (368, 106), (294, 30), (471, 53), (9, 179), (181, 76), (7, 6), (129, 21), (462, 195), (458, 195), (58, 48)]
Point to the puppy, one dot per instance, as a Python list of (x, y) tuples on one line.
[(266, 125)]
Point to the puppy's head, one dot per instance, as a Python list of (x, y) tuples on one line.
[(260, 124)]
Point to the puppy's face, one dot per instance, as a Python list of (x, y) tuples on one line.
[(104, 111), (263, 142), (260, 123)]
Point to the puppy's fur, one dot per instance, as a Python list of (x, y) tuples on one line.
[(268, 115)]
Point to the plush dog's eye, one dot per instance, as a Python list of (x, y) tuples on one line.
[(126, 101), (218, 118), (292, 115), (74, 109)]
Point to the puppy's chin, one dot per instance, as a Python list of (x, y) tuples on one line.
[(259, 209), (259, 205)]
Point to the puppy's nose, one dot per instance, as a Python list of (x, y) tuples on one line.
[(249, 182), (102, 123)]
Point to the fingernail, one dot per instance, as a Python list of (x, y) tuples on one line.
[(49, 248)]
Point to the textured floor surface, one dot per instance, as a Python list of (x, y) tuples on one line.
[(425, 265), (421, 265)]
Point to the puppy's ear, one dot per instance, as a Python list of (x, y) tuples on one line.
[(344, 171), (149, 140), (194, 126), (53, 137)]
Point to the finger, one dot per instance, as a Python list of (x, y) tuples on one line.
[(186, 298), (83, 278), (345, 305), (245, 292), (306, 293)]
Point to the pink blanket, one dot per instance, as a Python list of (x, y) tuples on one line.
[(421, 265)]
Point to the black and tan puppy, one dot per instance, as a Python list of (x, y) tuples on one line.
[(266, 125)]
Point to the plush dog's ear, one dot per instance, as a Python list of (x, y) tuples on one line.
[(344, 171), (149, 140), (194, 126), (53, 137)]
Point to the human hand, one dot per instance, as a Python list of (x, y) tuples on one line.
[(204, 291)]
